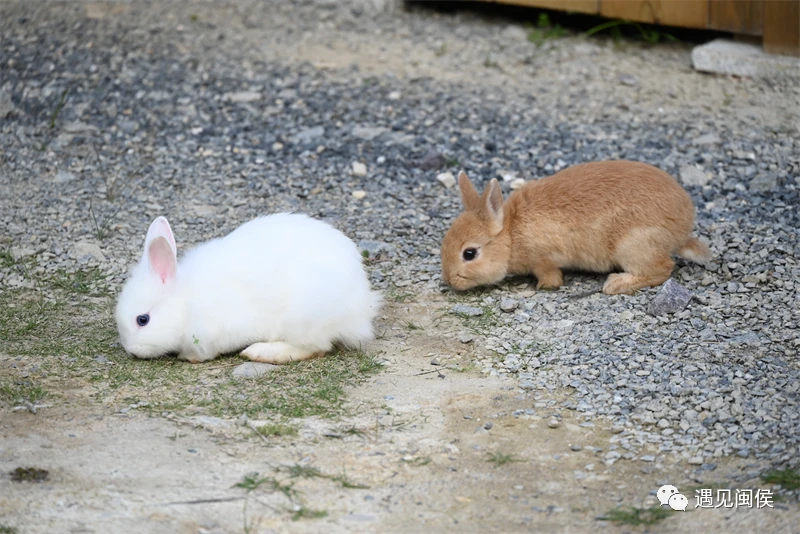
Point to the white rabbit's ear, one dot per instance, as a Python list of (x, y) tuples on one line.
[(493, 201), (469, 195), (160, 251)]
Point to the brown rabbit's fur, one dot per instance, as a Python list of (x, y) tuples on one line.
[(601, 217)]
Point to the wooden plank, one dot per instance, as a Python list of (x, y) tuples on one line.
[(736, 16), (782, 27), (683, 13), (579, 6)]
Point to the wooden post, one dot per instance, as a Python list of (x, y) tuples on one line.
[(689, 14), (782, 27), (578, 6), (744, 17)]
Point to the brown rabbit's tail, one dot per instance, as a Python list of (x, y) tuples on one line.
[(695, 250)]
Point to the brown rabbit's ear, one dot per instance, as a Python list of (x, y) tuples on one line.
[(469, 195), (493, 201)]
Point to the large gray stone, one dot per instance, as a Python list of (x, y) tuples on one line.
[(432, 160), (508, 305), (309, 134), (253, 369), (691, 175), (85, 249), (763, 182), (368, 133), (722, 56), (671, 297), (242, 97), (6, 104)]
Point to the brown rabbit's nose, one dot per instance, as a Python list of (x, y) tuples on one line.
[(445, 275)]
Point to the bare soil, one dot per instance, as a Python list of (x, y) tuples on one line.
[(418, 443)]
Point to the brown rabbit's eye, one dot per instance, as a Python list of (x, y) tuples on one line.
[(142, 320), (469, 254)]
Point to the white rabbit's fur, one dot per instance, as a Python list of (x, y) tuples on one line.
[(285, 286)]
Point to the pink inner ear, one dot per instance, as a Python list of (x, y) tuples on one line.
[(167, 231), (162, 259)]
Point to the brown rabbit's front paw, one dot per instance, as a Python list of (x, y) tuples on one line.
[(550, 280), (548, 285)]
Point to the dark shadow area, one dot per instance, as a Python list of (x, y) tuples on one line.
[(561, 23)]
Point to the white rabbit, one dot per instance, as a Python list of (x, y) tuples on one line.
[(284, 287)]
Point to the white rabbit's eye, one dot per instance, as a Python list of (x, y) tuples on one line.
[(469, 254), (143, 319)]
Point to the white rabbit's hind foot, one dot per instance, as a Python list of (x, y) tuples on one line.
[(278, 352)]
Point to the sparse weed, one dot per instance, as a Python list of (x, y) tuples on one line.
[(56, 112), (636, 516), (20, 392), (418, 461), (6, 259), (500, 458), (308, 513), (353, 431), (647, 33), (469, 367), (276, 430), (478, 324), (307, 471), (397, 296), (91, 282), (103, 227), (254, 481), (304, 471), (788, 479), (301, 389), (544, 30), (347, 483)]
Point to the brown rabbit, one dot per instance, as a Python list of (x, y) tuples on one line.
[(601, 216)]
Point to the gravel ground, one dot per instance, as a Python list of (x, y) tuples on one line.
[(115, 113)]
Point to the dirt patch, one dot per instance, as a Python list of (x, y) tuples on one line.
[(421, 446)]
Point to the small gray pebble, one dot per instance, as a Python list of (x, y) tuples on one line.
[(463, 309)]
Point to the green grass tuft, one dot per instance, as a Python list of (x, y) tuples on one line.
[(788, 479), (545, 30), (499, 458), (308, 513), (83, 282), (254, 481), (276, 430), (15, 393), (650, 34), (637, 516), (304, 471), (302, 389), (309, 471), (29, 474), (6, 259)]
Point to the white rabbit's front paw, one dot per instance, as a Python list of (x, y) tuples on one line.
[(193, 357), (278, 352)]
